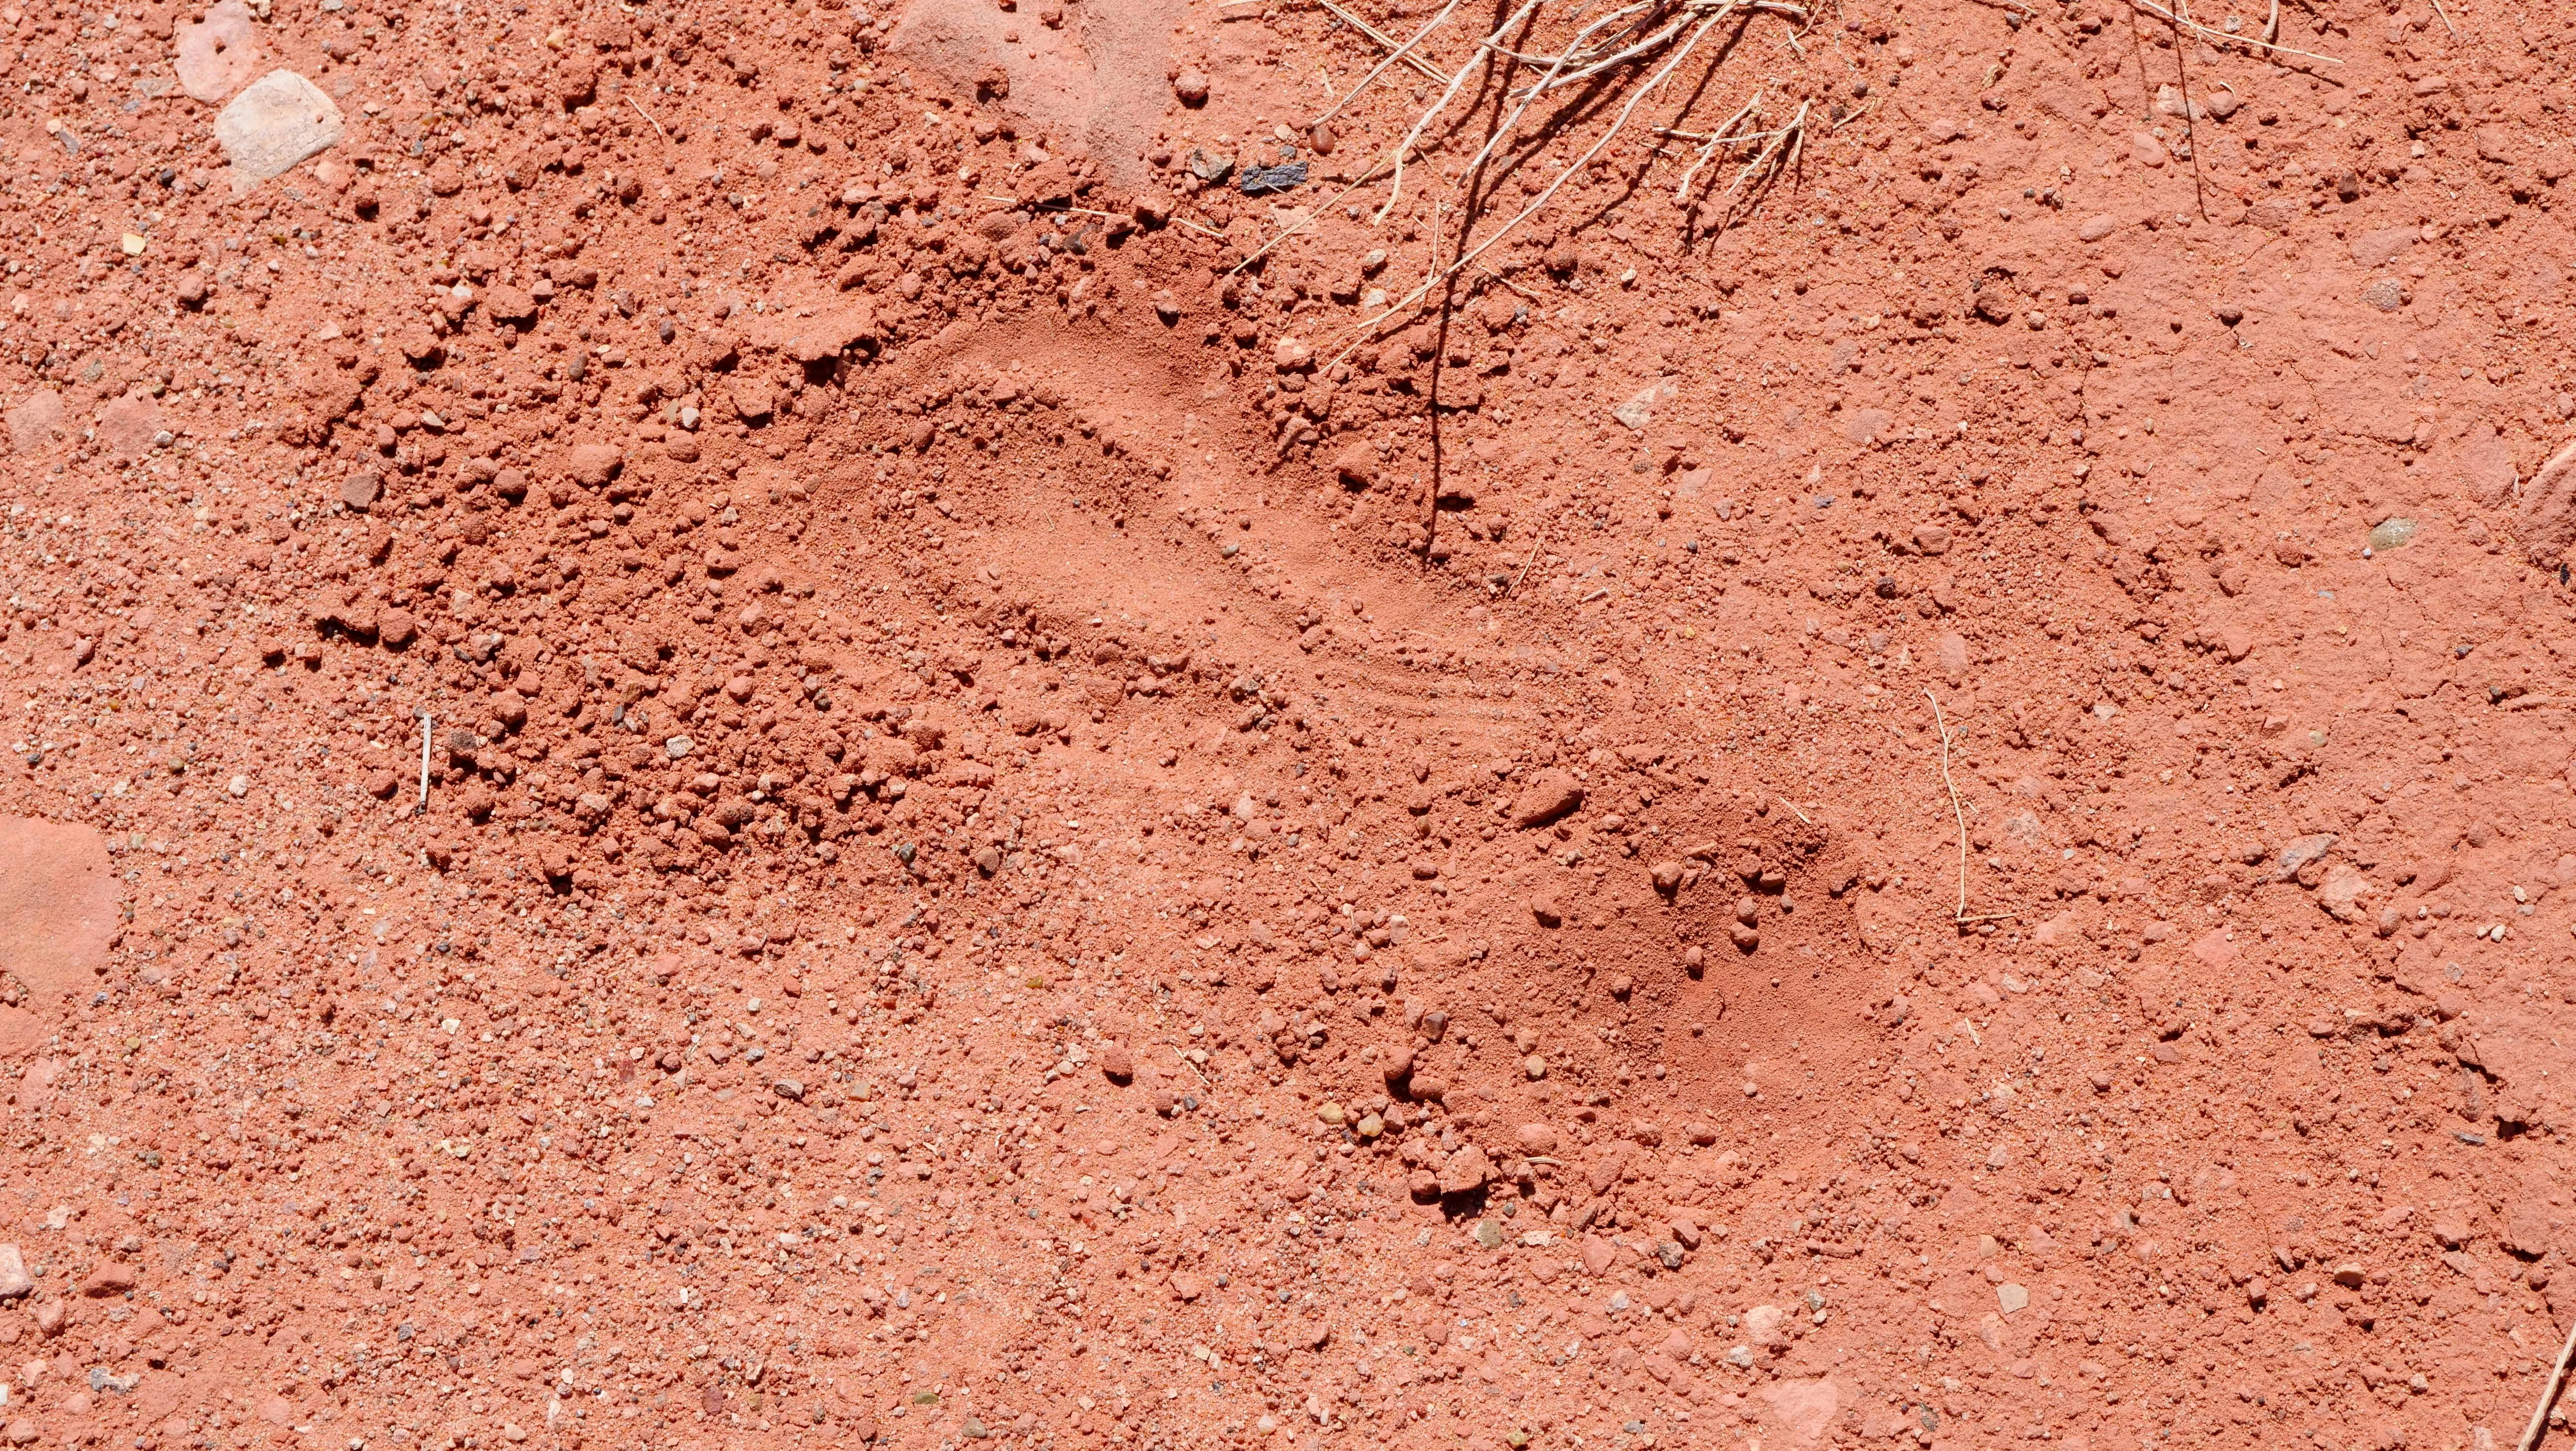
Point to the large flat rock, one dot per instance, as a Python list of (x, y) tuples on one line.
[(58, 895), (280, 120)]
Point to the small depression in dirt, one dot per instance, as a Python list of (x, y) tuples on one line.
[(1699, 928), (1729, 963)]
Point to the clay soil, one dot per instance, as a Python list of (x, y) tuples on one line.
[(768, 726)]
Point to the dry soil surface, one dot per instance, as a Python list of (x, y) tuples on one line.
[(754, 727)]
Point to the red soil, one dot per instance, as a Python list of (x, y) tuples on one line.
[(1033, 836)]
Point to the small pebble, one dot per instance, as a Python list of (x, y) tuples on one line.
[(1549, 796)]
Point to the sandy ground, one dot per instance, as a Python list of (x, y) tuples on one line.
[(728, 726)]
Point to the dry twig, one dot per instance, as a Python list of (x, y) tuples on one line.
[(1507, 282), (1780, 154), (1956, 809), (648, 120), (2221, 37), (1582, 57), (426, 727), (1423, 123), (2190, 115), (2548, 1393), (1401, 52), (1104, 215), (1510, 125), (1538, 546), (1070, 211), (1588, 65), (1395, 52), (1724, 135), (1312, 213), (1637, 96)]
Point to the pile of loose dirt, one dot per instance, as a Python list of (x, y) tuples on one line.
[(808, 722)]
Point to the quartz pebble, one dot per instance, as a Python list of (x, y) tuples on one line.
[(277, 121)]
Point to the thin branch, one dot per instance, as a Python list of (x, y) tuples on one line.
[(1739, 137), (1048, 211), (1106, 216), (1311, 214), (1957, 810), (1395, 53), (1724, 135), (2221, 37), (1635, 51), (1590, 65), (1510, 125), (2548, 1393), (1537, 546), (648, 120), (2190, 118), (1779, 154), (1464, 68), (1635, 98)]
